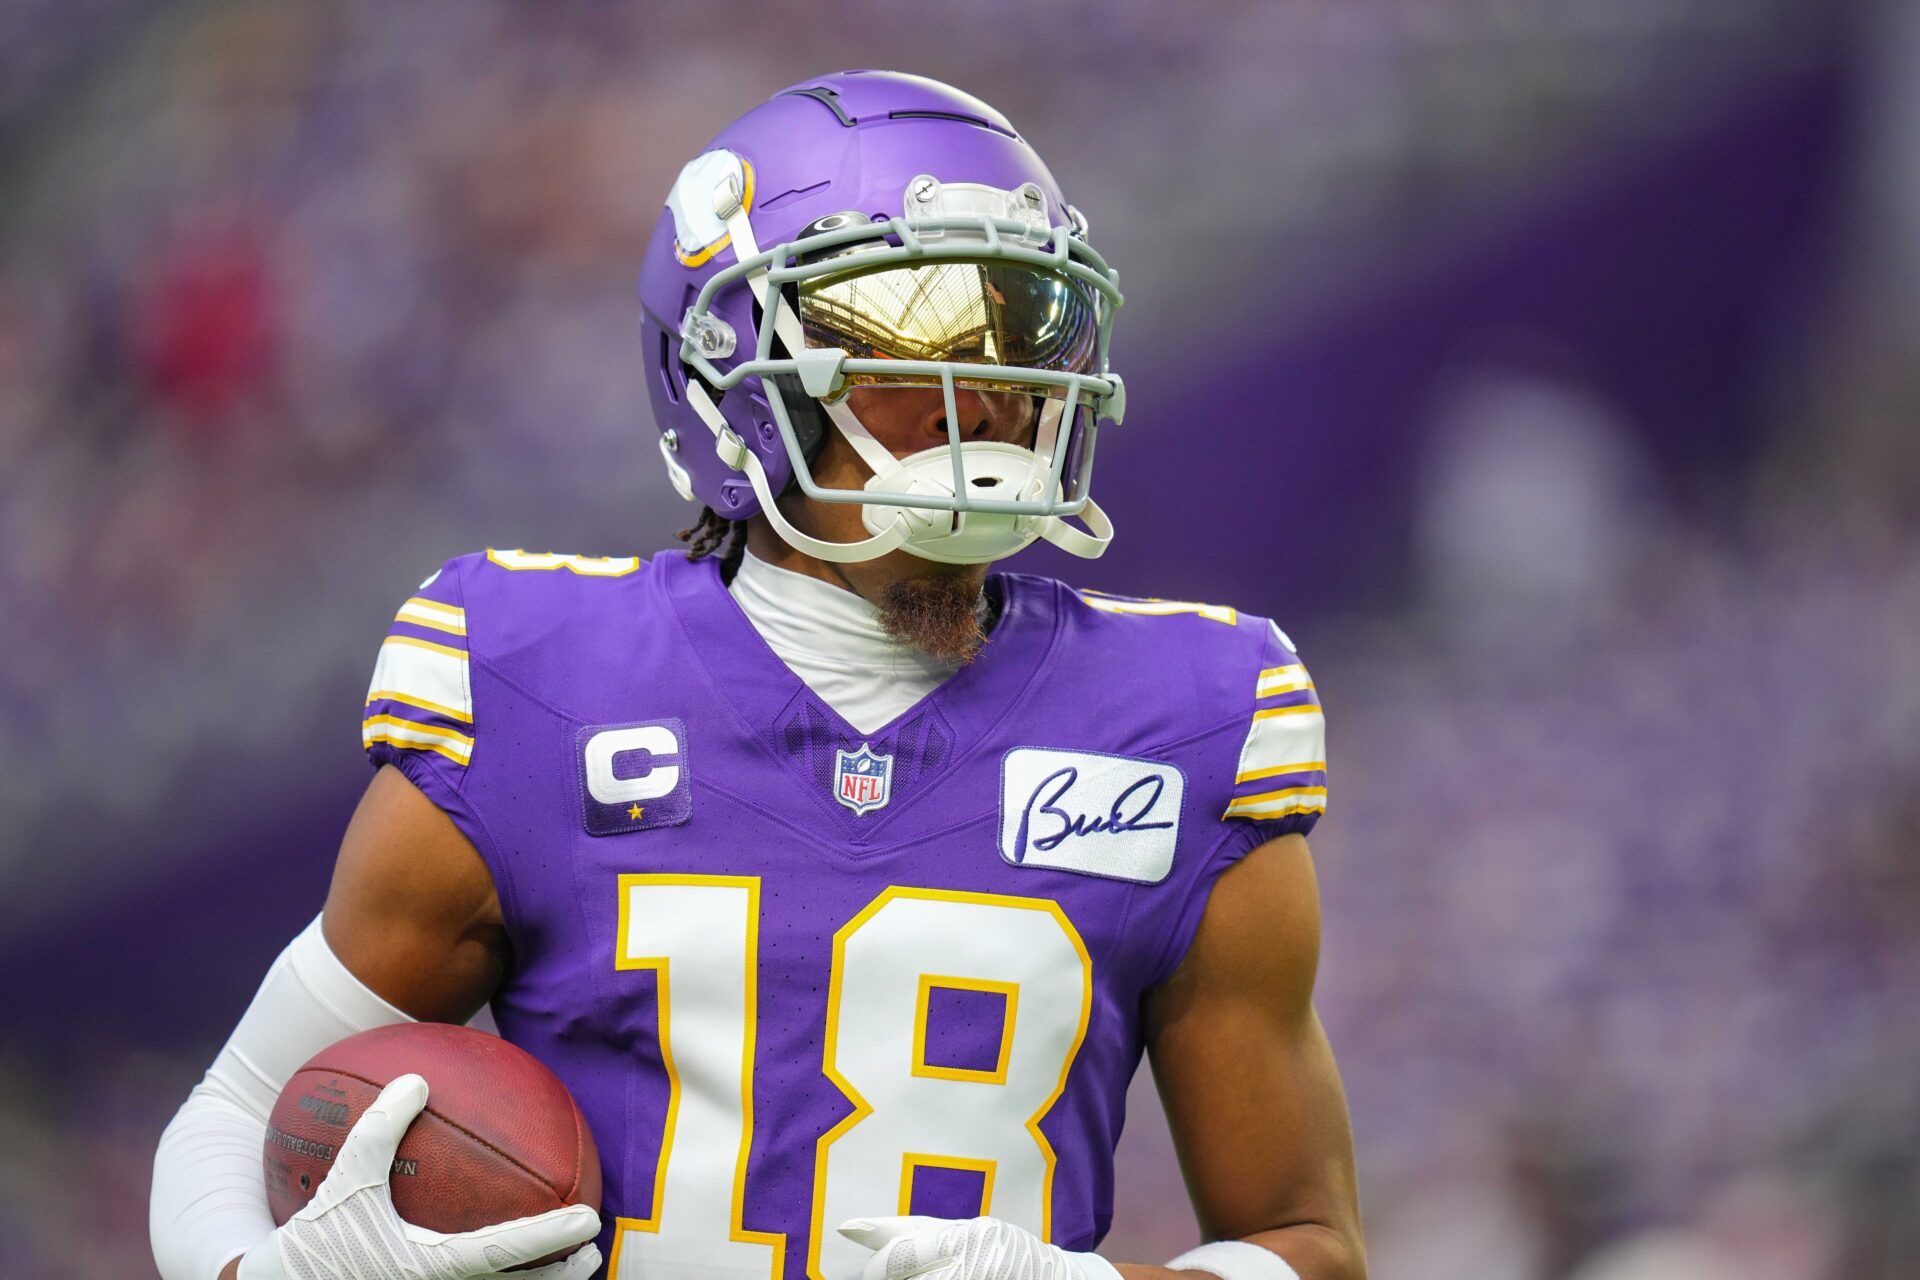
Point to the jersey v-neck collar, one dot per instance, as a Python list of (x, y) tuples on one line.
[(752, 677), (835, 642), (762, 690)]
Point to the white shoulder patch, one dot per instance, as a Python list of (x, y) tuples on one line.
[(1099, 815)]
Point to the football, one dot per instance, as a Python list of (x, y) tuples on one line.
[(501, 1137)]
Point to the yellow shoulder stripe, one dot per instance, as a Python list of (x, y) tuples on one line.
[(428, 645), (1267, 797), (414, 700), (1289, 679), (376, 736), (413, 736), (1235, 810), (1310, 708), (1254, 775), (431, 613), (437, 731)]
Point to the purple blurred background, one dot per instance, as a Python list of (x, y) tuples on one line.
[(1548, 368)]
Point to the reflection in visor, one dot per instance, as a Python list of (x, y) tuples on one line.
[(962, 312)]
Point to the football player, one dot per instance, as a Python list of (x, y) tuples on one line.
[(843, 881)]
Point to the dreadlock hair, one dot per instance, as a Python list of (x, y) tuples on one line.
[(713, 533)]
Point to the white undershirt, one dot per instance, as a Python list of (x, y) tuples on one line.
[(832, 639)]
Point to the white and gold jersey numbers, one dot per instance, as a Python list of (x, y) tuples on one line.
[(1152, 607), (701, 935), (549, 561), (887, 962)]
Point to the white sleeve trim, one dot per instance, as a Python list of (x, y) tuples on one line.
[(1235, 1260), (209, 1201)]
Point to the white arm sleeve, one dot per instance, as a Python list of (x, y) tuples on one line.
[(209, 1202)]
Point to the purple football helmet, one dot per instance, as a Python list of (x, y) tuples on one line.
[(877, 229)]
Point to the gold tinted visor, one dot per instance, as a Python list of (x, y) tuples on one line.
[(983, 313)]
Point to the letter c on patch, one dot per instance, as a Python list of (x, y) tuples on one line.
[(657, 780)]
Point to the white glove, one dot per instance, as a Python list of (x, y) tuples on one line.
[(974, 1249), (350, 1231)]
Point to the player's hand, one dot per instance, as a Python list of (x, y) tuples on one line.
[(973, 1249), (350, 1231)]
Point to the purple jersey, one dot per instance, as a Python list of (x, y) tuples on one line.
[(794, 973)]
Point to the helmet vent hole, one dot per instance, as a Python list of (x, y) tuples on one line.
[(985, 482)]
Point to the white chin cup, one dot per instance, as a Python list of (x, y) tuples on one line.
[(1005, 472)]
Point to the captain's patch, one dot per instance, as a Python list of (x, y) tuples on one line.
[(1100, 815), (634, 776)]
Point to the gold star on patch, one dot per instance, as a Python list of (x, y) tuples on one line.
[(636, 813)]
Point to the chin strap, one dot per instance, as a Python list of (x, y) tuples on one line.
[(734, 452), (1090, 543), (730, 207), (733, 211)]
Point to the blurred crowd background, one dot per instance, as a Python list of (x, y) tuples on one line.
[(1549, 368)]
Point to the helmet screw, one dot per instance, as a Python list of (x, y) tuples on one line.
[(710, 335), (671, 439), (924, 187)]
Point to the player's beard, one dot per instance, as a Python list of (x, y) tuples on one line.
[(939, 614)]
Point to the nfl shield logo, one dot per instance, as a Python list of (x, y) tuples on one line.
[(862, 779)]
